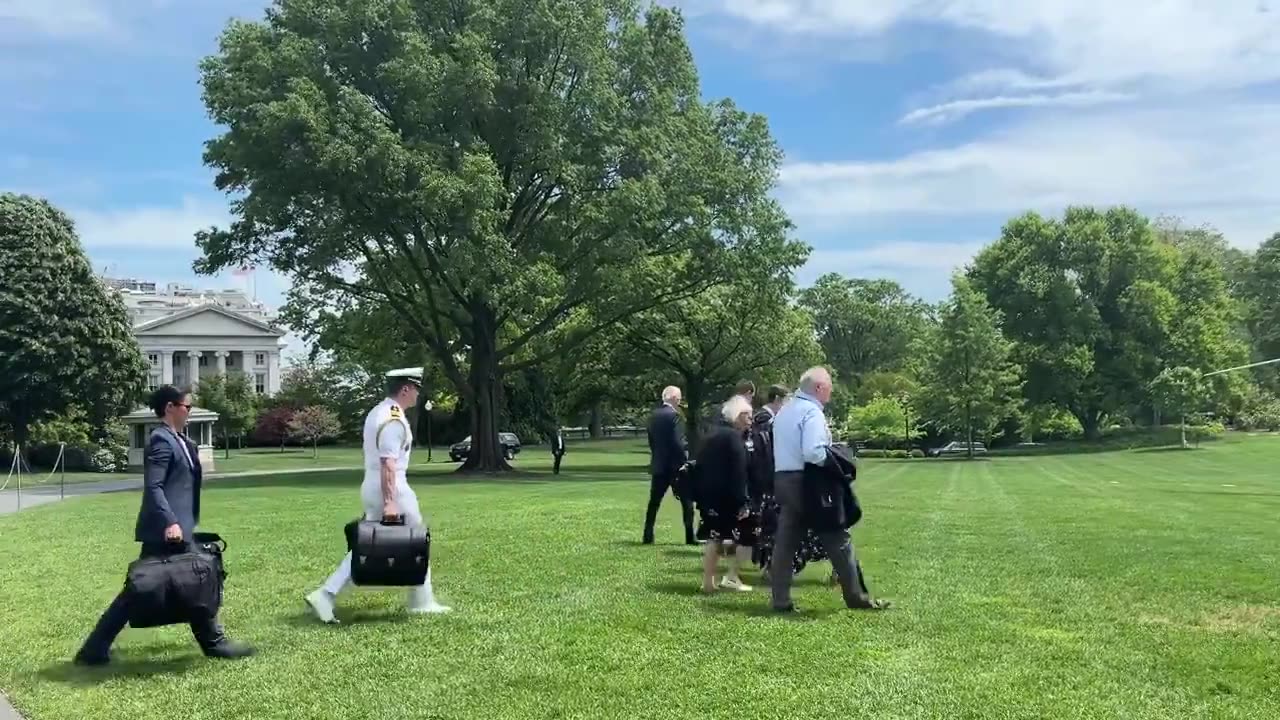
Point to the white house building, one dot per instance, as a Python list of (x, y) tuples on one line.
[(187, 334)]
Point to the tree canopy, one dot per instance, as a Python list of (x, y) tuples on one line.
[(865, 326), (491, 171), (65, 340)]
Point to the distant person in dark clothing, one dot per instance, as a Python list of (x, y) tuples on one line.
[(720, 488), (557, 450), (166, 525), (747, 390), (666, 457)]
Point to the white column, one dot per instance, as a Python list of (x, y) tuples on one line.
[(166, 367), (222, 362), (273, 372), (193, 363)]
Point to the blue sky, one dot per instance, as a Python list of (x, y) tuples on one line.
[(912, 128)]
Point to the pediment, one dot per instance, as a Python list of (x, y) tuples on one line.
[(207, 320)]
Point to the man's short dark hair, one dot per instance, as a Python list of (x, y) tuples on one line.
[(777, 392), (163, 397), (745, 387)]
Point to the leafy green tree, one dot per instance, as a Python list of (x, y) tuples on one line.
[(706, 344), (1179, 391), (65, 339), (1263, 312), (972, 380), (231, 396), (883, 420), (488, 170), (1088, 302), (312, 424), (865, 326)]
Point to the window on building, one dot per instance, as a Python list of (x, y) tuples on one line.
[(153, 382), (154, 359), (260, 383), (260, 359), (204, 361)]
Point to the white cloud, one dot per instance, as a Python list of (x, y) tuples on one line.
[(955, 109), (922, 268), (153, 227), (1157, 46), (1208, 165), (62, 19)]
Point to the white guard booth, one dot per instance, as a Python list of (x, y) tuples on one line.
[(199, 429)]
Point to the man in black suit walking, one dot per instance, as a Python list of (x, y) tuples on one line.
[(166, 525), (666, 457), (557, 449)]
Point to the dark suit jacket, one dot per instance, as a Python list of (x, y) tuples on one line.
[(829, 502), (666, 451), (720, 481), (760, 470), (557, 444), (171, 488)]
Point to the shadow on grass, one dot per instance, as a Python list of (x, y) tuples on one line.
[(418, 477), (306, 619), (1226, 493), (133, 663), (1173, 449)]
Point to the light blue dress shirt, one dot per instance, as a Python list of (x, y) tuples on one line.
[(800, 434)]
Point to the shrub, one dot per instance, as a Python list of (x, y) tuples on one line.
[(898, 454), (917, 453), (872, 453)]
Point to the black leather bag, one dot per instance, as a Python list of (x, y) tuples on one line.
[(177, 589), (388, 553)]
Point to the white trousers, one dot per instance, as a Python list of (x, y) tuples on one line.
[(371, 497)]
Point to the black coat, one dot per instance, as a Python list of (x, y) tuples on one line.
[(760, 470), (666, 450), (170, 488), (720, 475), (829, 502)]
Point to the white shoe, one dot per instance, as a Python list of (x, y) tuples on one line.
[(738, 585), (321, 603), (430, 608)]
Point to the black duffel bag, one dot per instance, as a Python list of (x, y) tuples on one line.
[(388, 553), (179, 588)]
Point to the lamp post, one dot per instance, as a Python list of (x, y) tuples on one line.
[(427, 406)]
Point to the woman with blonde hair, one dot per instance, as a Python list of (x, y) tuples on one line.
[(720, 491)]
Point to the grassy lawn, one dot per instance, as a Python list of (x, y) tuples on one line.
[(1135, 584)]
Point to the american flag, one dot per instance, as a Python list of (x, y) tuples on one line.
[(242, 270)]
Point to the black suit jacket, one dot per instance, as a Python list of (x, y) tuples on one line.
[(171, 487), (720, 482), (829, 501), (666, 451), (557, 444)]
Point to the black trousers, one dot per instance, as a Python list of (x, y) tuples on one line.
[(556, 468), (658, 487), (207, 631)]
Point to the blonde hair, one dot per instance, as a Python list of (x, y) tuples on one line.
[(733, 407)]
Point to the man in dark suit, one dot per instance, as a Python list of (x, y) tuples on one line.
[(165, 526), (557, 449), (666, 457)]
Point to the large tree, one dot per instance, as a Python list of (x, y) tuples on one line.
[(491, 171), (65, 339), (1089, 301), (972, 380), (233, 398), (1179, 391), (1263, 291), (707, 343), (865, 325)]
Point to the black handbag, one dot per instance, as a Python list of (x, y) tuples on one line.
[(179, 588), (388, 553)]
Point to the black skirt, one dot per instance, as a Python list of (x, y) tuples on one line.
[(719, 524)]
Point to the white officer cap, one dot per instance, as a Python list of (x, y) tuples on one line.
[(414, 375)]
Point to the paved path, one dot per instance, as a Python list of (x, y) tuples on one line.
[(50, 492)]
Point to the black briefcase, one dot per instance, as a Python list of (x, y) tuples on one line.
[(388, 553), (176, 589)]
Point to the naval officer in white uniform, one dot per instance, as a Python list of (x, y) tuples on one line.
[(385, 491)]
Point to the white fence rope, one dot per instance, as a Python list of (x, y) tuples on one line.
[(15, 468)]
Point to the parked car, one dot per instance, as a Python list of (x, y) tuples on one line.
[(461, 449), (957, 447)]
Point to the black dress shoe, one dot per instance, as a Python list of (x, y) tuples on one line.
[(785, 609), (91, 660), (229, 650)]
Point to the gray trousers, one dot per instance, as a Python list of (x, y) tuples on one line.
[(789, 490)]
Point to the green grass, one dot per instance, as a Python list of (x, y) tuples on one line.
[(1139, 584)]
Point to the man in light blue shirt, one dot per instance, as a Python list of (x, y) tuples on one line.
[(800, 436)]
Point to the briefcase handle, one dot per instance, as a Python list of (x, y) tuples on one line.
[(393, 519)]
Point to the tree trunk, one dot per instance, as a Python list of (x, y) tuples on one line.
[(596, 424), (968, 426), (692, 409), (485, 386), (226, 443), (315, 450), (1090, 422)]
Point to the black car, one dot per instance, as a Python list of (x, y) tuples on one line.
[(510, 447)]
